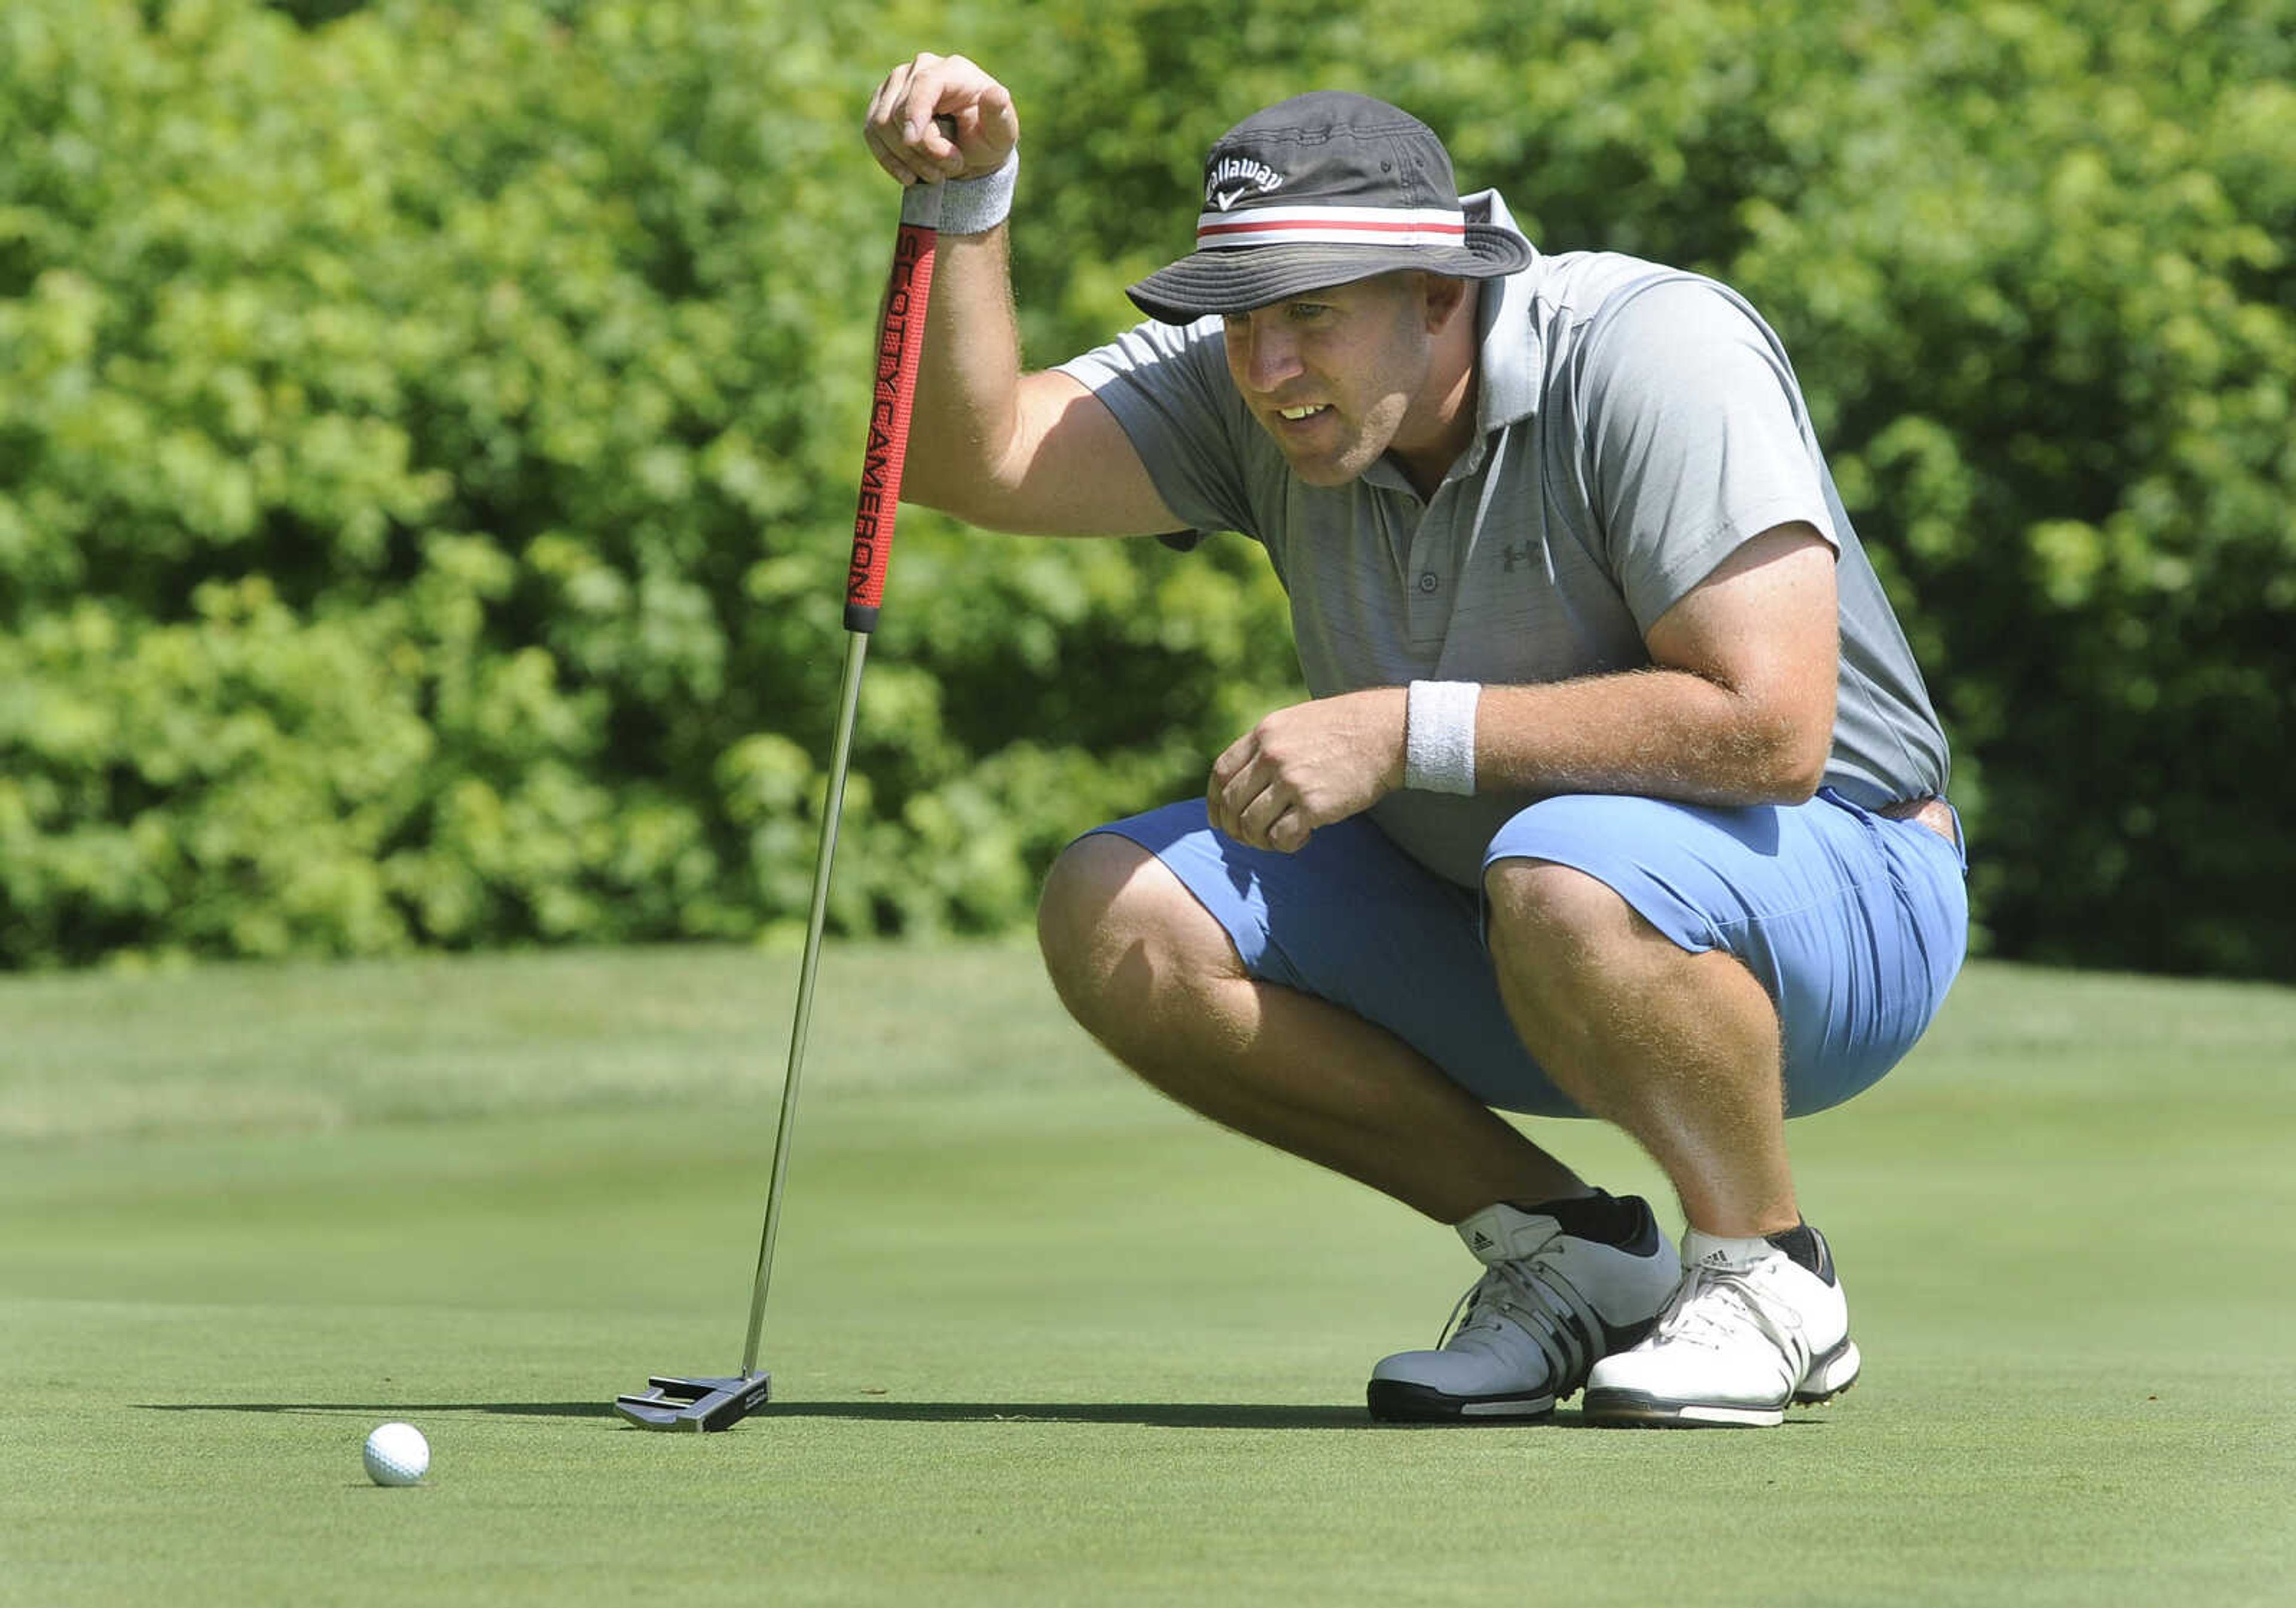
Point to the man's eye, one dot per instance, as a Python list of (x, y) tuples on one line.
[(1305, 312)]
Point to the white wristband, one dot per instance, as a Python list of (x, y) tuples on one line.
[(964, 205), (1438, 737)]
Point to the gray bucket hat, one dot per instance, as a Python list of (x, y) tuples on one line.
[(1323, 189)]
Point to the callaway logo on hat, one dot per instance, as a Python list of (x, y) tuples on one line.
[(1323, 189)]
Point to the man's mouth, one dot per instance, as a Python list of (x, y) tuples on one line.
[(1296, 414)]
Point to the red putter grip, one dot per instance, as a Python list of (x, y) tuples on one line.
[(900, 344)]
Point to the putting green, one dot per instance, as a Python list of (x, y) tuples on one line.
[(1038, 1337)]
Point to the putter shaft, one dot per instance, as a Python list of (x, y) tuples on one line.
[(857, 651)]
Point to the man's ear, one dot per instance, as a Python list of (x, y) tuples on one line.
[(1440, 298)]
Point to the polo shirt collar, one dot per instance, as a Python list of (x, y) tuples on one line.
[(1510, 358)]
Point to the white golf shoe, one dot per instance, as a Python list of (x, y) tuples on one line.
[(1750, 1332), (1547, 1307)]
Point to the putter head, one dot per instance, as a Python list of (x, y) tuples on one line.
[(702, 1405)]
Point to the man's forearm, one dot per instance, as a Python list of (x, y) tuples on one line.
[(1737, 708), (967, 407), (1656, 732)]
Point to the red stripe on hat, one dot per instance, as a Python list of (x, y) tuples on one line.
[(1337, 224)]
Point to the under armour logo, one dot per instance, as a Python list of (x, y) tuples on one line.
[(1519, 554)]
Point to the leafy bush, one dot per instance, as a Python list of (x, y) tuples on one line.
[(427, 447), (428, 459)]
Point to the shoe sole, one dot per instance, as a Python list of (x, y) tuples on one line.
[(1829, 1375), (1395, 1401)]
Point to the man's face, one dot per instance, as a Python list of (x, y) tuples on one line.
[(1333, 374)]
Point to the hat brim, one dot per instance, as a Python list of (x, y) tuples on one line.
[(1238, 279)]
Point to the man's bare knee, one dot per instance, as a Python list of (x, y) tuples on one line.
[(1563, 943), (1572, 955), (1121, 932), (1555, 911)]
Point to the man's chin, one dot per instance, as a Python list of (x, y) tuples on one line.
[(1327, 468)]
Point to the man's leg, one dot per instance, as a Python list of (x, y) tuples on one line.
[(1182, 995), (1679, 1048), (1153, 975), (1690, 975)]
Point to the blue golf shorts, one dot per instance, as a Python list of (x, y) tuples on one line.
[(1854, 923)]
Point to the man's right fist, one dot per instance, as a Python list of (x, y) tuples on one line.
[(940, 118)]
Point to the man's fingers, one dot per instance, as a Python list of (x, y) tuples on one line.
[(1290, 831), (1273, 820), (935, 150), (971, 131), (1259, 818), (890, 158), (1218, 813), (997, 107), (907, 98), (1256, 802), (1233, 758), (922, 96), (884, 132), (1247, 796), (941, 91), (998, 124), (881, 96), (873, 123), (1224, 798)]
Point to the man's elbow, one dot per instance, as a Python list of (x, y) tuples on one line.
[(973, 499), (1795, 761), (1779, 751), (991, 511), (984, 488), (1775, 743)]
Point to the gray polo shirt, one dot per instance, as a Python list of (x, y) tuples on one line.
[(1634, 425)]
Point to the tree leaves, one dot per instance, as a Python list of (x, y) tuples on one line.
[(428, 436)]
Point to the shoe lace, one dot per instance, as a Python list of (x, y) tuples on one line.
[(1714, 1307), (1537, 1302)]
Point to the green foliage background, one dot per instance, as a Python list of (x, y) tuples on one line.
[(428, 434)]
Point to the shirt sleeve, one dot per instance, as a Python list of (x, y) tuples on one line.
[(1168, 387), (1696, 439)]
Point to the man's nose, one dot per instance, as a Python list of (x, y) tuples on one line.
[(1272, 357)]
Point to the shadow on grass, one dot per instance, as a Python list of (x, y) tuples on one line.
[(394, 1410), (1153, 1415)]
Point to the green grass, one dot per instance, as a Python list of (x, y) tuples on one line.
[(1040, 1338)]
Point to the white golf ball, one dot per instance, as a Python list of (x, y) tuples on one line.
[(396, 1454)]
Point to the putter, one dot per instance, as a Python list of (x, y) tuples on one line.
[(719, 1403)]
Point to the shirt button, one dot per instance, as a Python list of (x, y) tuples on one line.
[(1427, 581)]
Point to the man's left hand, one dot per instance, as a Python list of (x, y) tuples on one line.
[(1307, 766)]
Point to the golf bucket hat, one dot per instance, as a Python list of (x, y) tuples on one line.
[(1323, 189)]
